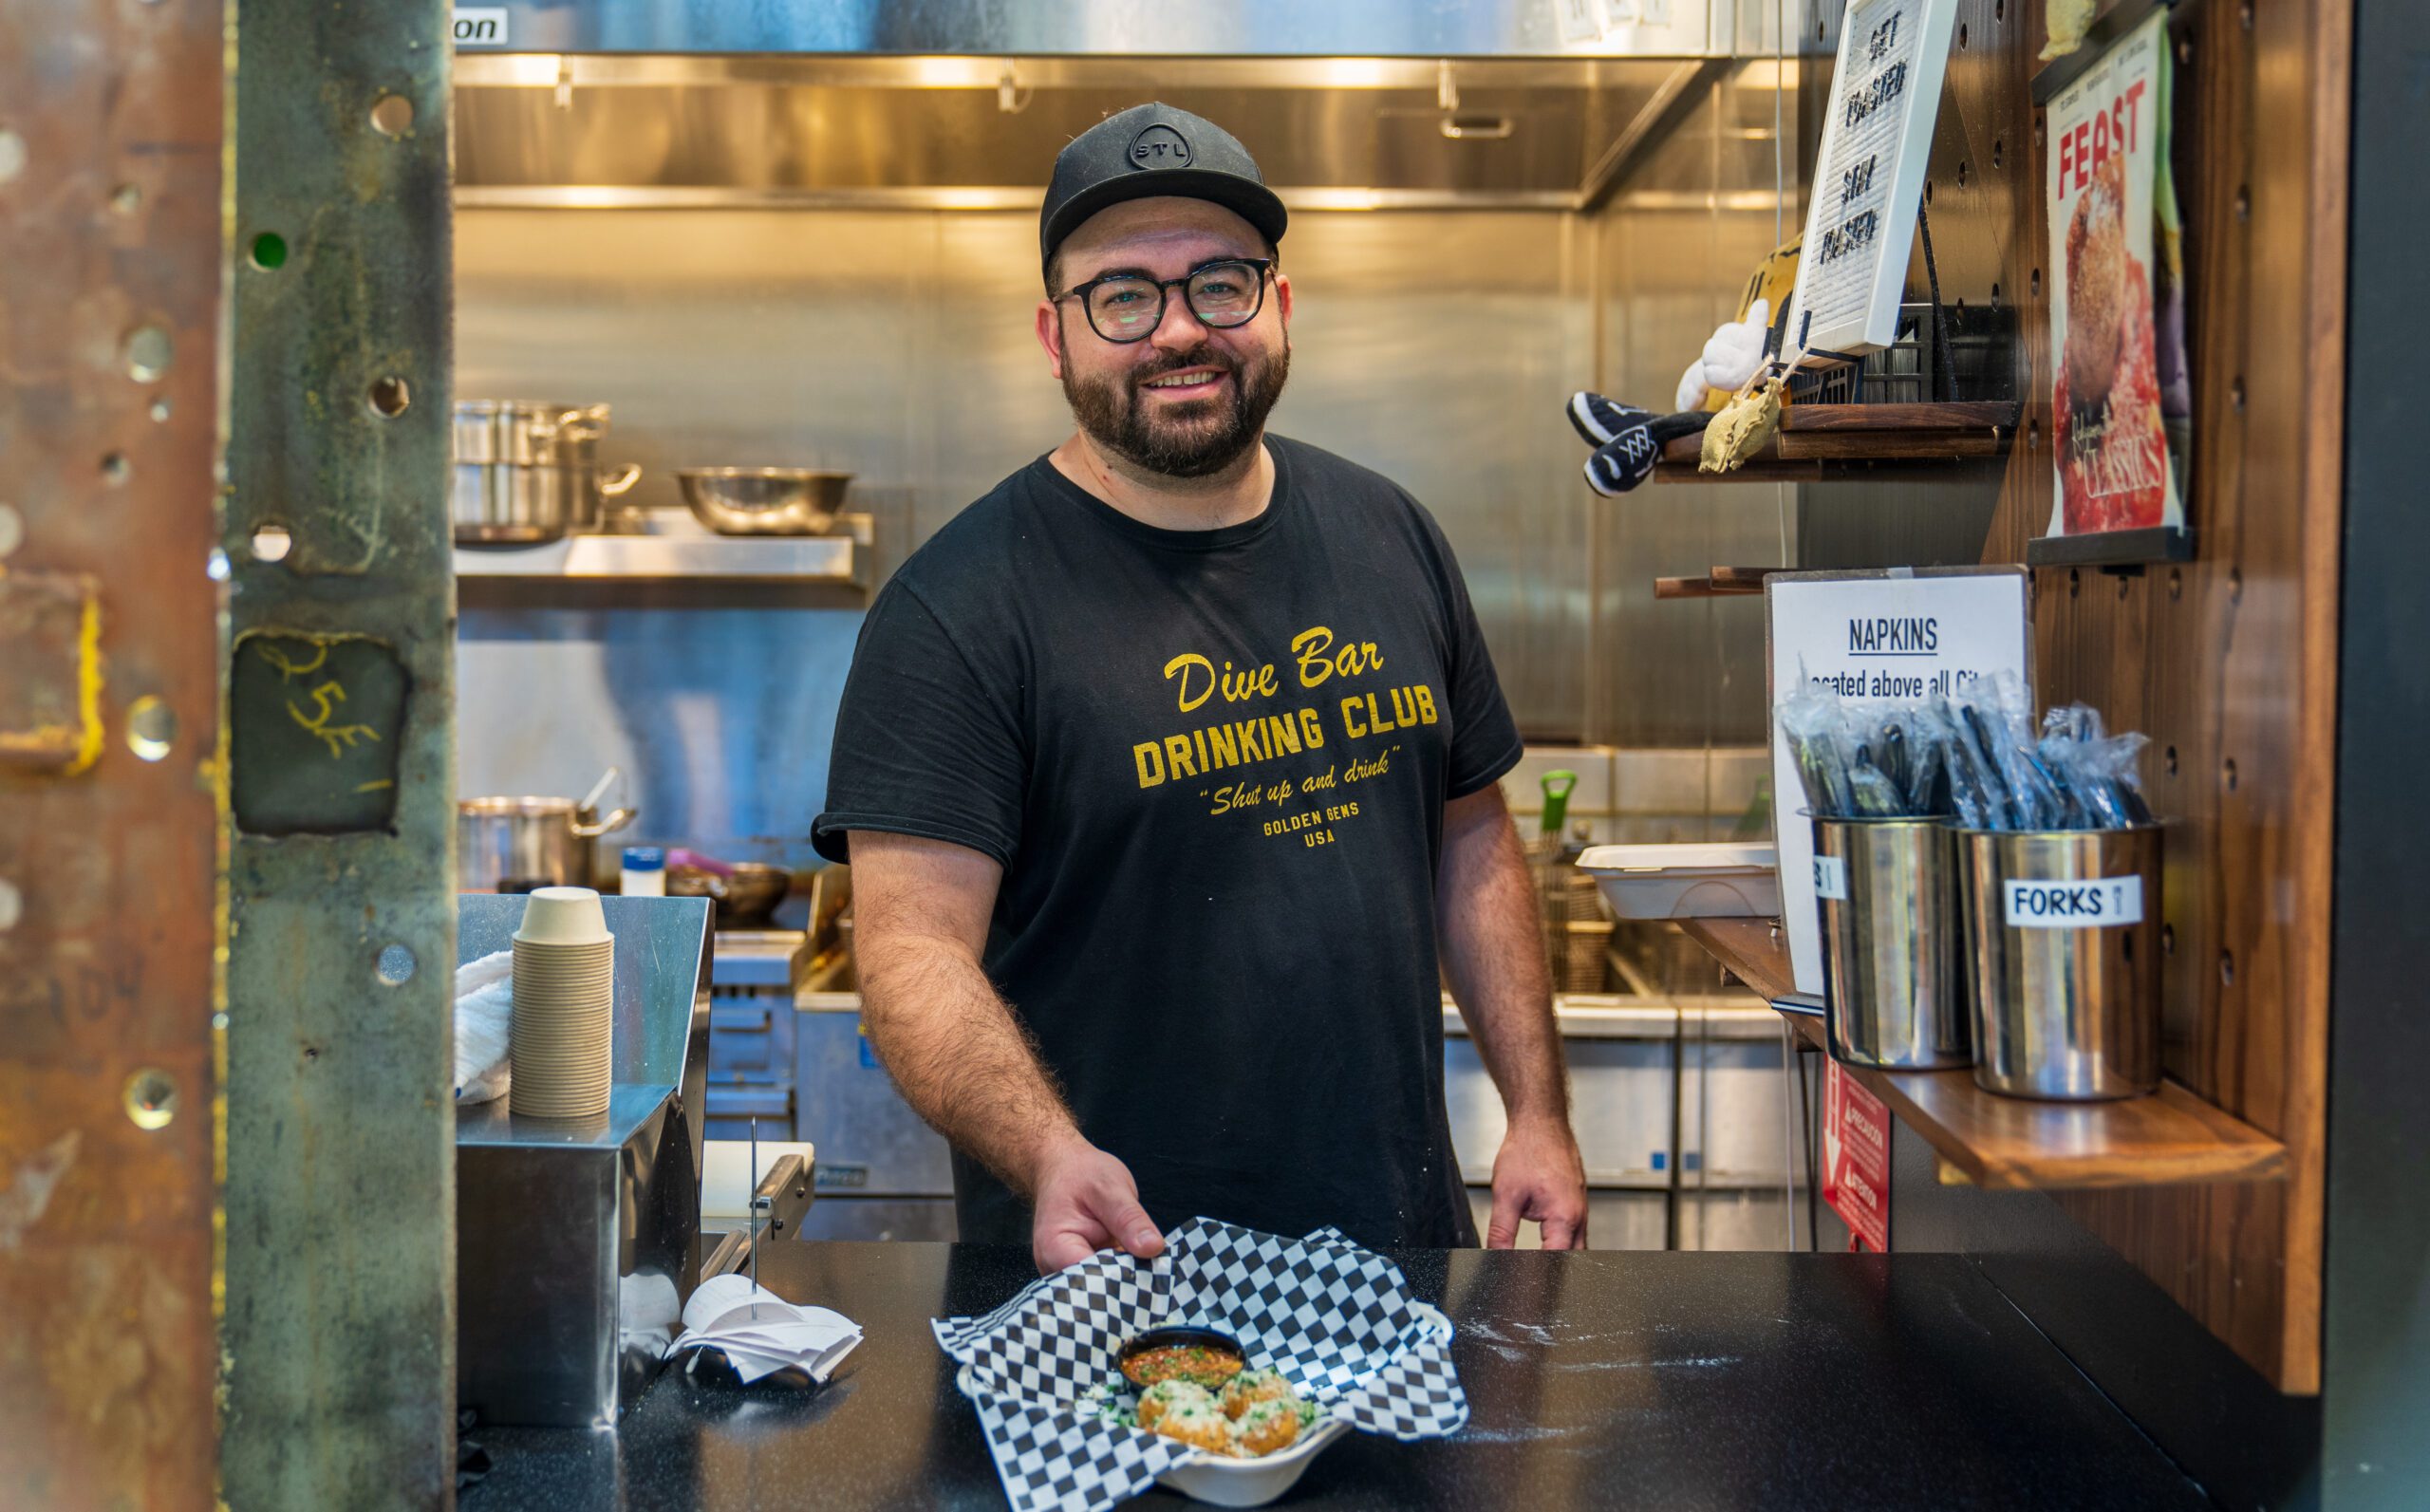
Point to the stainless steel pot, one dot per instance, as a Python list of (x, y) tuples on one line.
[(2065, 931), (1886, 892), (514, 845), (526, 473)]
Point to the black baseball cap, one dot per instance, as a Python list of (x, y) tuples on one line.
[(1154, 149)]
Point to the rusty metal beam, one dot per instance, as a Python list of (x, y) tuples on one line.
[(111, 123), (341, 1318)]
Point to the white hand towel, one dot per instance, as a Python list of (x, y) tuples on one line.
[(484, 1026)]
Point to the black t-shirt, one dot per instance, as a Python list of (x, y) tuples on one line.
[(1213, 765)]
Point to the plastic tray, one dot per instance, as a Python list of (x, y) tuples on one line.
[(1687, 881)]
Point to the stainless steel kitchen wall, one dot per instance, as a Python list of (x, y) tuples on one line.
[(1672, 251), (1435, 347)]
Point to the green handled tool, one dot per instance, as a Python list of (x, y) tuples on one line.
[(1557, 786)]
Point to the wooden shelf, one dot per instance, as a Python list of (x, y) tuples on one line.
[(2121, 18), (2012, 1142), (1720, 582), (1815, 436), (1752, 950)]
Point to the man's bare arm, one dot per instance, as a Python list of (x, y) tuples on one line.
[(920, 912), (1493, 952)]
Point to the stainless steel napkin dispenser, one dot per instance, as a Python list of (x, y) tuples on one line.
[(576, 1239)]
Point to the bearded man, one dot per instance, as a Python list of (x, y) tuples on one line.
[(1167, 773)]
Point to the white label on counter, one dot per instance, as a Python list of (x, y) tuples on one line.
[(1831, 878), (2075, 904), (480, 26)]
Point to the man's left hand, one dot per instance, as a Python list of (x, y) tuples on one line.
[(1539, 1175)]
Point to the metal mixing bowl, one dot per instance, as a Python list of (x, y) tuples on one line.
[(748, 896), (763, 500)]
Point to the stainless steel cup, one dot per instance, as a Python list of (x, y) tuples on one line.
[(2064, 931), (1887, 892)]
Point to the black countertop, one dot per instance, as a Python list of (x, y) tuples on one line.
[(1603, 1379)]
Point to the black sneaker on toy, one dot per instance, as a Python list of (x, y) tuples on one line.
[(1626, 461), (1601, 421), (1623, 463)]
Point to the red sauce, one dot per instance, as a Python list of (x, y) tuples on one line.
[(1196, 1363)]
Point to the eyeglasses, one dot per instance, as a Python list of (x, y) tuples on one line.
[(1125, 308)]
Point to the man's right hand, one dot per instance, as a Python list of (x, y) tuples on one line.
[(1085, 1201)]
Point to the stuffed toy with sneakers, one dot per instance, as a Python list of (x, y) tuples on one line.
[(1627, 441)]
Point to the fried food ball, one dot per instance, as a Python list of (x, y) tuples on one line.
[(2098, 286), (1166, 1395), (1249, 1387), (1199, 1424), (1267, 1426)]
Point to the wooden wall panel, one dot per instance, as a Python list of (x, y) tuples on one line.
[(111, 275), (2228, 662)]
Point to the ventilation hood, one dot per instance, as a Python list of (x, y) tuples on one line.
[(1410, 29), (977, 133)]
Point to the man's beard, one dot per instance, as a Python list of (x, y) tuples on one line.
[(1194, 440)]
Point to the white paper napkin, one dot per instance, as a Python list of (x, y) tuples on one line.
[(761, 1333)]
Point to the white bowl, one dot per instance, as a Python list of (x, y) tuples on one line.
[(1221, 1481)]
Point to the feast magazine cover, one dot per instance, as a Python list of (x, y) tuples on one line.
[(2117, 322)]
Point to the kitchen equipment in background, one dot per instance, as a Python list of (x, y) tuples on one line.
[(1679, 1107), (763, 500), (514, 845), (526, 473), (1738, 1172), (1558, 787), (751, 973), (882, 1172), (827, 965), (1623, 1068), (736, 1176), (1887, 893), (643, 872), (2064, 931), (1687, 881), (1578, 933), (593, 499), (746, 893)]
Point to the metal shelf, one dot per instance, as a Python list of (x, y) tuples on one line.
[(673, 554), (677, 564)]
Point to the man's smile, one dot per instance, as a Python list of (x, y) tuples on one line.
[(1191, 382)]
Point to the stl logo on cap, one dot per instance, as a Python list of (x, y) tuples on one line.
[(1159, 146)]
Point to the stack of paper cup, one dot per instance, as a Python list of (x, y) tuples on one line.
[(565, 972)]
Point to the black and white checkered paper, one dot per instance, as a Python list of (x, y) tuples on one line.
[(1335, 1319)]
